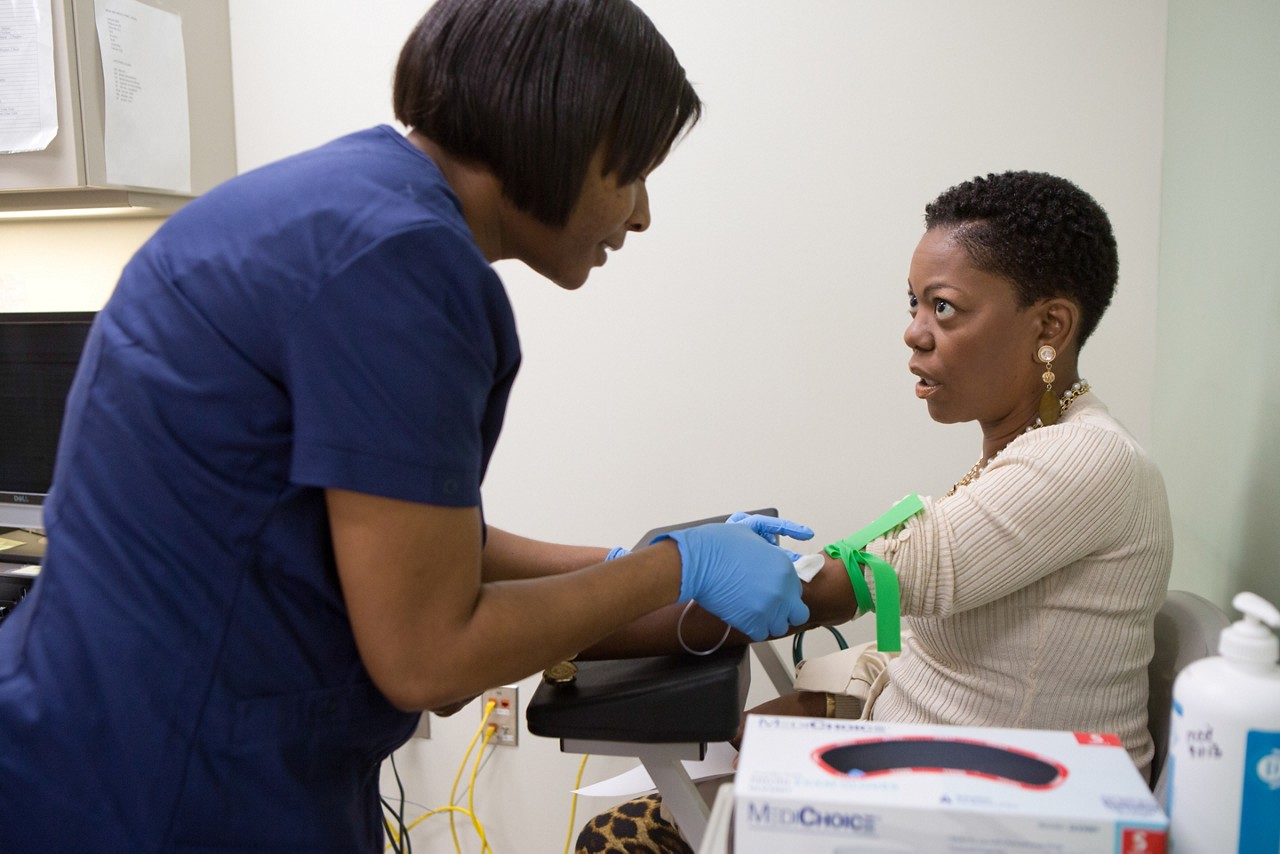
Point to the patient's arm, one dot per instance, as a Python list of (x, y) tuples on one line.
[(508, 556), (829, 597)]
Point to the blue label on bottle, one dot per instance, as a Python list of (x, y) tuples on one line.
[(1171, 755), (1260, 793)]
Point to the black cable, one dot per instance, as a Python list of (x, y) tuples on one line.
[(391, 835), (406, 845)]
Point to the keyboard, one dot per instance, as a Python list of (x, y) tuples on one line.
[(15, 582)]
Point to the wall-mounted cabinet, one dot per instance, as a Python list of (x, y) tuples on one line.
[(72, 173)]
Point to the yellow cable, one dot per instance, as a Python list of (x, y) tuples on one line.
[(426, 815), (489, 732), (573, 804), (484, 723), (471, 790)]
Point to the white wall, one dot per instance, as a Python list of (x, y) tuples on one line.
[(65, 265), (747, 350), (1217, 406)]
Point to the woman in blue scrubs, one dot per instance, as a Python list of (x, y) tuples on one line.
[(266, 548)]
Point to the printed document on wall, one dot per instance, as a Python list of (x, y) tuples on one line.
[(28, 104), (144, 76)]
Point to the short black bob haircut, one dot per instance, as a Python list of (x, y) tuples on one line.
[(1041, 232), (531, 89)]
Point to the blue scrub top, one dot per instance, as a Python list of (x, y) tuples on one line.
[(183, 674)]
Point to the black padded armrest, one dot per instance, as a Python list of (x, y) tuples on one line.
[(659, 700), (662, 700)]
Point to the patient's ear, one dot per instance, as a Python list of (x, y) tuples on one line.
[(1059, 320)]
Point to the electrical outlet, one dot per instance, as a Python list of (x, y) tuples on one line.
[(504, 719), (424, 726)]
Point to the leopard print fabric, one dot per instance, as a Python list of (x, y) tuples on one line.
[(636, 827)]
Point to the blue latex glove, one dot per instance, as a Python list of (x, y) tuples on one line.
[(770, 527), (740, 578), (617, 551)]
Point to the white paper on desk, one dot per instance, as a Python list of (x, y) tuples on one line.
[(28, 102), (718, 762), (144, 77)]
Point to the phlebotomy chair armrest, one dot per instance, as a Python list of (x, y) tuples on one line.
[(662, 710)]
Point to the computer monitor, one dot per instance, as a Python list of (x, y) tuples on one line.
[(39, 352)]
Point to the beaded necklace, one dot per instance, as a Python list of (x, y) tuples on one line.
[(1077, 388)]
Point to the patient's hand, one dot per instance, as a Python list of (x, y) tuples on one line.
[(812, 704)]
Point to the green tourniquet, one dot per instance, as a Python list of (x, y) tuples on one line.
[(888, 610)]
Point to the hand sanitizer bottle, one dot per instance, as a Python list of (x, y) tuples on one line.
[(1224, 741)]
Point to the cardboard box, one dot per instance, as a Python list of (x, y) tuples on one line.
[(816, 785)]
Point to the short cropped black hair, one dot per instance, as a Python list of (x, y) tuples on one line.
[(1041, 232), (532, 88)]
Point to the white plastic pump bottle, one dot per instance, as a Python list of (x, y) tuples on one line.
[(1224, 741)]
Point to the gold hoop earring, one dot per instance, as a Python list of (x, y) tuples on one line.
[(1049, 406)]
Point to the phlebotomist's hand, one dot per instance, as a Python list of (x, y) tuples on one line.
[(770, 527), (739, 577)]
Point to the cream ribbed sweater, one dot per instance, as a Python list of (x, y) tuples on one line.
[(1029, 595)]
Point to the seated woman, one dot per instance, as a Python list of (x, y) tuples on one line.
[(1028, 592)]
